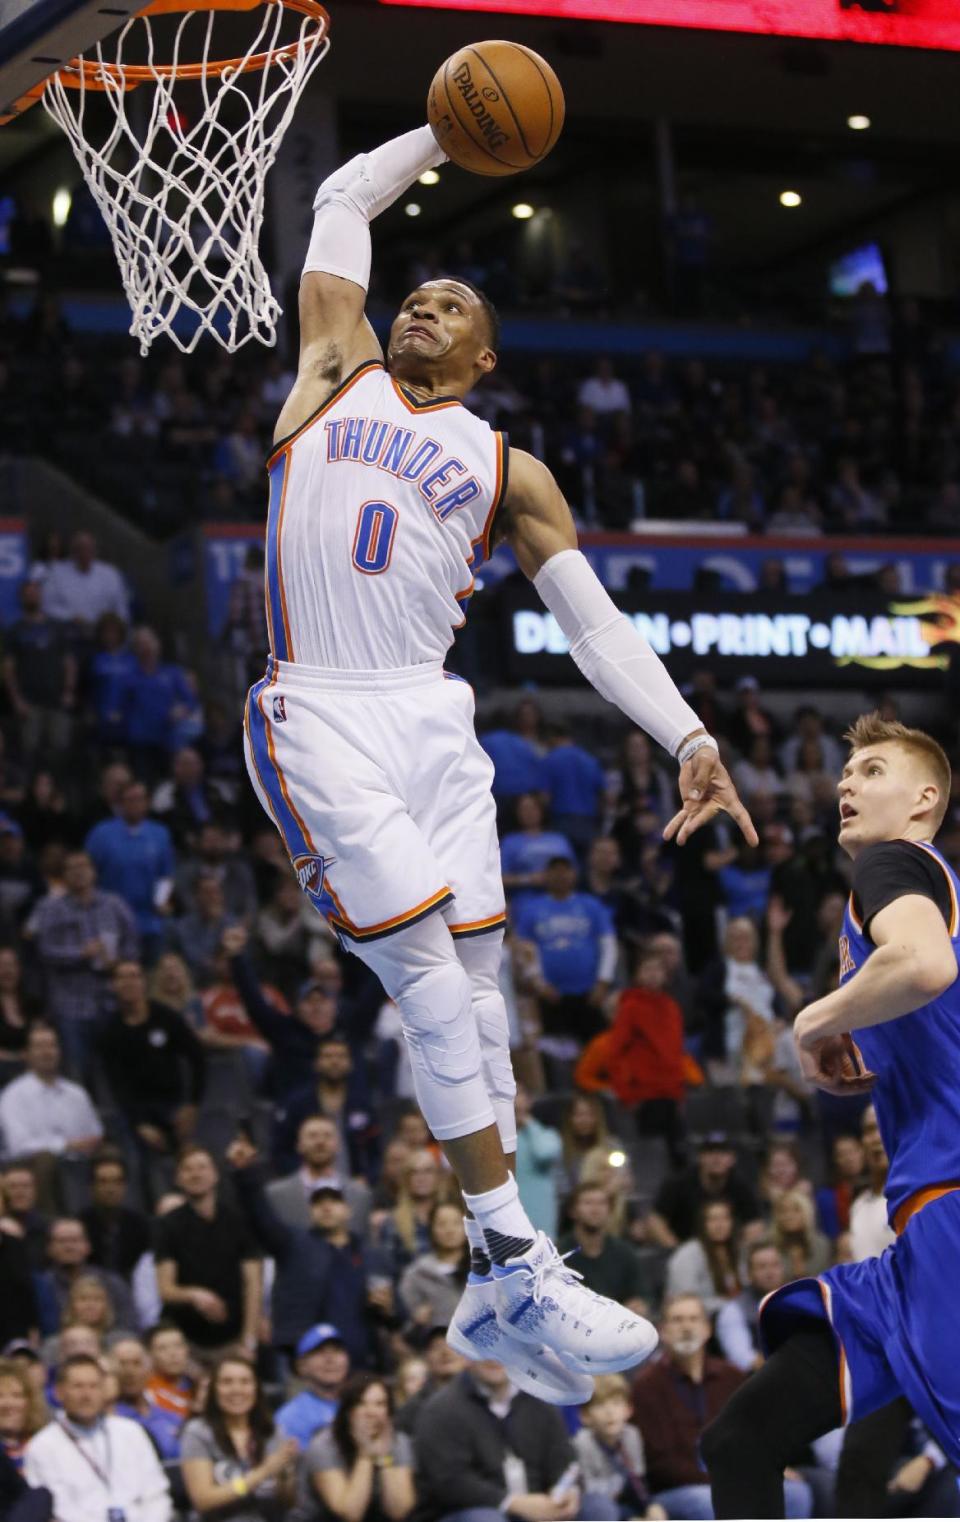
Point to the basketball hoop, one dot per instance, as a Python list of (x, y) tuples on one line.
[(181, 186)]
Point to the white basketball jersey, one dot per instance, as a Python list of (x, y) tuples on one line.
[(381, 509)]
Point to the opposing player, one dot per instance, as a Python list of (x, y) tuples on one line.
[(385, 495), (861, 1334)]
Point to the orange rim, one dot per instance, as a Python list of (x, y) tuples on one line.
[(110, 76)]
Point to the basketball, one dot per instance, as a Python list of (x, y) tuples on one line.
[(495, 108)]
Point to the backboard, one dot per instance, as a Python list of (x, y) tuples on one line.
[(38, 36)]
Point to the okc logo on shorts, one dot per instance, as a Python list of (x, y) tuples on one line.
[(279, 710), (311, 871)]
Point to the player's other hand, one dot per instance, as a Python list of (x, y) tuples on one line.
[(830, 1063), (705, 789)]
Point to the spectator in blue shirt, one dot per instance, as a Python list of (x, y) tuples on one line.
[(576, 783), (134, 857), (524, 853), (112, 668), (323, 1366), (131, 1364), (517, 768), (575, 940), (158, 700)]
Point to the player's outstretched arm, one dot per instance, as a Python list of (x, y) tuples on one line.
[(335, 335), (609, 650)]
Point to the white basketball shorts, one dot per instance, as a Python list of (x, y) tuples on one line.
[(381, 792)]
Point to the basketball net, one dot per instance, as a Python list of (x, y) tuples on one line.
[(184, 201)]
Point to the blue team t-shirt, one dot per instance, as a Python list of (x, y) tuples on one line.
[(575, 781), (305, 1415), (516, 765), (521, 853), (566, 932)]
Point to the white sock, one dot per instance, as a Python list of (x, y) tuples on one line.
[(499, 1210)]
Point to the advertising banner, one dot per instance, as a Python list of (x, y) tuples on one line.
[(821, 640)]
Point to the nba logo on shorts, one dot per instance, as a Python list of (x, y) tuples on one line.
[(279, 710), (310, 872)]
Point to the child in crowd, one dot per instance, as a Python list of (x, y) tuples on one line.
[(609, 1450)]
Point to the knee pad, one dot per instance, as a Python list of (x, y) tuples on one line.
[(481, 959), (420, 970)]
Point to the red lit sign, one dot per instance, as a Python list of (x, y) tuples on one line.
[(898, 23)]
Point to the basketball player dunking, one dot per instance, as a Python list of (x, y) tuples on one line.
[(385, 494), (851, 1341)]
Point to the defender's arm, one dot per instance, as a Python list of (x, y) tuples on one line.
[(609, 650), (913, 964), (335, 336)]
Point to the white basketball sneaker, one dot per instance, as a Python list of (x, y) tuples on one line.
[(476, 1332), (541, 1300)]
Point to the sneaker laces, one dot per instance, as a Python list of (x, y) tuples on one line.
[(555, 1266)]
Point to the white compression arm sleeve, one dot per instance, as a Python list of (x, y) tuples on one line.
[(352, 196), (612, 654)]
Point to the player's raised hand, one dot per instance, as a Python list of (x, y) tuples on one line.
[(705, 789)]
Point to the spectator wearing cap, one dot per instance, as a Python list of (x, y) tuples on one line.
[(322, 1365), (681, 1198), (44, 1116), (208, 1266), (134, 857), (322, 1272), (40, 676), (750, 718), (575, 942), (577, 787), (319, 1150), (525, 851), (79, 590), (674, 1398), (443, 1363), (80, 935), (293, 1042)]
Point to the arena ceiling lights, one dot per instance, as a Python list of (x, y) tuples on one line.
[(897, 23)]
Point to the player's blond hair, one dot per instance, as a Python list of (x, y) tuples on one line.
[(871, 729)]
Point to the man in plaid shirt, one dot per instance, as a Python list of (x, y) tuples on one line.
[(80, 936)]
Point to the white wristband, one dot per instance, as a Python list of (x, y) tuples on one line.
[(699, 742)]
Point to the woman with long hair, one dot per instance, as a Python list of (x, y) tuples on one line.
[(361, 1468), (235, 1463), (780, 1172), (614, 1178), (805, 1250), (709, 1264), (584, 1126), (405, 1232), (88, 1306), (431, 1286), (22, 1411)]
